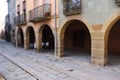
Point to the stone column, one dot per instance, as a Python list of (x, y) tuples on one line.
[(99, 49), (18, 40), (26, 42), (38, 41), (60, 46), (11, 34)]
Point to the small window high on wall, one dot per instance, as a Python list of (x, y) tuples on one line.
[(24, 5), (18, 9)]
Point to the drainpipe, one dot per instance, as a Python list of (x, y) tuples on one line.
[(56, 43)]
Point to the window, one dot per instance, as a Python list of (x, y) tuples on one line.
[(24, 5), (18, 9)]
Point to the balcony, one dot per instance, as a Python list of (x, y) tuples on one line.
[(117, 2), (71, 7), (20, 19), (42, 12)]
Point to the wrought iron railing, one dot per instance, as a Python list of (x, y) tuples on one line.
[(71, 7), (40, 13), (20, 19)]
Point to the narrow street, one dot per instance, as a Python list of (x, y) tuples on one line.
[(20, 64)]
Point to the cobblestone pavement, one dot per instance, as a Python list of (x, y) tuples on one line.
[(44, 66)]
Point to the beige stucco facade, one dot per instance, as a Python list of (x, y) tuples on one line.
[(37, 26), (99, 16)]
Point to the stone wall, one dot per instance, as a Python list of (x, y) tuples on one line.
[(94, 11)]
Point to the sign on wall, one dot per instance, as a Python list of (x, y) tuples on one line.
[(71, 7), (117, 2)]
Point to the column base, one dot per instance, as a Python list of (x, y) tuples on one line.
[(98, 61)]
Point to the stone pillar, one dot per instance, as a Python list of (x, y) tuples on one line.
[(18, 40), (38, 41), (99, 49), (12, 37), (11, 34), (60, 46), (26, 42)]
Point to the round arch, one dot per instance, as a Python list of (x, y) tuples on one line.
[(20, 37), (109, 23), (46, 35), (19, 29), (29, 24), (66, 22), (75, 42), (42, 27), (108, 29), (28, 27), (30, 37)]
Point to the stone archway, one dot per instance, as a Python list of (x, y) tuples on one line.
[(75, 37), (20, 38), (114, 44), (111, 31), (46, 38), (30, 38)]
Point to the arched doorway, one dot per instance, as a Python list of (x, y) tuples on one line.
[(20, 38), (47, 38), (109, 29), (114, 44), (77, 40), (31, 37)]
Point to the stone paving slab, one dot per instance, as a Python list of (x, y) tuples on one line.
[(45, 65), (29, 70), (11, 71)]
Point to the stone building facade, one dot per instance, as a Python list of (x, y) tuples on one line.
[(7, 28), (10, 26), (90, 27)]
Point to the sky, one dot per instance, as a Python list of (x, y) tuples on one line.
[(3, 9)]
